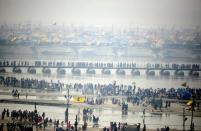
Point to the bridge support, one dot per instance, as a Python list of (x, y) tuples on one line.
[(150, 72), (179, 73), (90, 71), (46, 71), (61, 71), (135, 72), (194, 73), (120, 72), (106, 71), (31, 70), (76, 71), (2, 70), (164, 73), (17, 70)]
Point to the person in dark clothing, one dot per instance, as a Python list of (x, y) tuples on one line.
[(7, 113)]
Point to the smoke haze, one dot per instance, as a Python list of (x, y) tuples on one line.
[(103, 12)]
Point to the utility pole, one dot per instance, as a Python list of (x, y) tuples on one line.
[(76, 123), (144, 128), (67, 106), (192, 112), (184, 119), (26, 95), (134, 87)]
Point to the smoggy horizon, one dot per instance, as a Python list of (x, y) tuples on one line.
[(102, 12)]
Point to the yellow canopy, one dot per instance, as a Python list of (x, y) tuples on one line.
[(79, 99), (189, 103)]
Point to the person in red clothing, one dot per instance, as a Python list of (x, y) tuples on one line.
[(68, 125)]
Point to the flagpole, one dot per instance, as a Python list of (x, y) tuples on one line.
[(184, 119), (67, 92)]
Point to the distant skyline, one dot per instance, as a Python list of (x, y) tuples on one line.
[(102, 12)]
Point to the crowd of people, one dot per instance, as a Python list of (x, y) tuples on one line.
[(120, 65), (16, 126), (183, 93), (28, 120), (114, 126), (27, 83), (111, 89), (135, 95), (22, 120)]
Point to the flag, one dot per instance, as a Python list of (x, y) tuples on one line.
[(184, 84)]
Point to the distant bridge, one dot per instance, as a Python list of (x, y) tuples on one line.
[(121, 68)]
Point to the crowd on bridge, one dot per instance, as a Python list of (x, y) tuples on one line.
[(124, 65)]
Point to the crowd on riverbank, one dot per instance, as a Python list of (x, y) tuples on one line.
[(100, 92), (29, 83), (111, 89), (133, 94), (18, 120), (21, 120)]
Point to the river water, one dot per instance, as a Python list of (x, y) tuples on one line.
[(142, 81)]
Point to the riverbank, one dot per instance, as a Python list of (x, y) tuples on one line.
[(45, 99), (57, 99), (51, 127)]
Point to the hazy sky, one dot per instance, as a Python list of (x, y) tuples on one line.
[(102, 12)]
